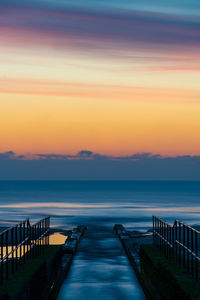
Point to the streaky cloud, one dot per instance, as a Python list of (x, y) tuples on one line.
[(133, 28)]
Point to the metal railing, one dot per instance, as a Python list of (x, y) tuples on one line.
[(178, 241), (20, 243)]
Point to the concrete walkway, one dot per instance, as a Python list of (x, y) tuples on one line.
[(101, 270)]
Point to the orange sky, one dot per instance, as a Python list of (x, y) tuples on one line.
[(62, 97)]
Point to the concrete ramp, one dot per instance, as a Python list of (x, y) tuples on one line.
[(100, 270)]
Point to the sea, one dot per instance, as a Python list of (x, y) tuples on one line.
[(100, 269)]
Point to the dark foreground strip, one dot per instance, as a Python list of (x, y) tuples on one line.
[(42, 277)]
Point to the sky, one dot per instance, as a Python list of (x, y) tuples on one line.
[(117, 78)]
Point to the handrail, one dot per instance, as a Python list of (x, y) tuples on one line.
[(10, 228), (169, 244), (178, 241), (26, 241), (190, 251), (12, 251)]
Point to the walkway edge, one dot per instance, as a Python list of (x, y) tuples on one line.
[(134, 260)]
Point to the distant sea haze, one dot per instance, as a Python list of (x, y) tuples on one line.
[(100, 202)]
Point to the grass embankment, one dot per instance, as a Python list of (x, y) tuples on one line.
[(26, 272), (166, 277)]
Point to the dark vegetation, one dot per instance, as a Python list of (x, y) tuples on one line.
[(165, 278)]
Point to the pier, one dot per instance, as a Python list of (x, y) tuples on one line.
[(114, 263), (100, 270)]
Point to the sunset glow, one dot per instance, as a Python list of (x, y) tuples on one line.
[(115, 80)]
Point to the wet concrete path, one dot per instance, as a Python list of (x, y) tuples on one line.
[(100, 270)]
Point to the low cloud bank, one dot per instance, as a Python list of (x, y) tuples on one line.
[(87, 165), (89, 155)]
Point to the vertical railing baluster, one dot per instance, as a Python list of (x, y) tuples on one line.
[(179, 242), (30, 237), (16, 244), (153, 232), (40, 235), (20, 241), (35, 240), (27, 239), (176, 229), (184, 245), (170, 232), (167, 237), (48, 229), (159, 224), (24, 234), (38, 231), (157, 231), (12, 248), (192, 249), (196, 258), (2, 236), (37, 237), (173, 249), (162, 239), (46, 232), (7, 254), (188, 246), (164, 235), (43, 233)]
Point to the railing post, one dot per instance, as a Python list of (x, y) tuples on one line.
[(184, 245), (40, 236), (2, 258), (157, 240), (24, 230), (179, 243), (188, 245), (12, 245), (173, 249), (166, 237), (162, 236), (159, 231), (196, 252), (34, 240), (167, 240), (7, 254), (42, 233), (48, 231), (175, 242), (27, 239), (20, 240), (16, 243), (192, 249), (153, 231)]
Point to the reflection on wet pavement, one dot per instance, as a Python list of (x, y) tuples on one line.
[(100, 270)]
